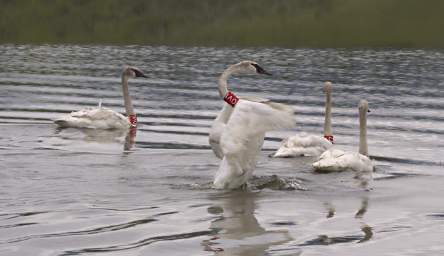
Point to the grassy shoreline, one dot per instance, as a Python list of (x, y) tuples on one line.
[(259, 23)]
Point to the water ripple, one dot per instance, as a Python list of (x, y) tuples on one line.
[(104, 229), (140, 243)]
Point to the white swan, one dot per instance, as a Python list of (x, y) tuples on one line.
[(105, 118), (338, 160), (310, 145), (238, 131)]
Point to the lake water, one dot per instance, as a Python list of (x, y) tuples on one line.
[(86, 192)]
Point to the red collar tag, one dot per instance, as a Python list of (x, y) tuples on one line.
[(231, 99), (329, 138), (133, 120)]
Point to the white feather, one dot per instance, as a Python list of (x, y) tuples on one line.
[(94, 118), (303, 145), (242, 137), (334, 160), (100, 117)]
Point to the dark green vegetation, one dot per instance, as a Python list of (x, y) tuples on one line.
[(287, 23)]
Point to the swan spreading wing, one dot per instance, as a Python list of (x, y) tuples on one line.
[(250, 119), (243, 136)]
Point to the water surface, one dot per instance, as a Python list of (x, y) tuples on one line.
[(87, 192)]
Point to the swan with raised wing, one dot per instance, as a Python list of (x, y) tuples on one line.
[(238, 132), (105, 118), (310, 145), (338, 160)]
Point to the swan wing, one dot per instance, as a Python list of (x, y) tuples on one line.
[(338, 160), (254, 98), (303, 145), (331, 160), (217, 129), (243, 136), (96, 118), (361, 163), (252, 119)]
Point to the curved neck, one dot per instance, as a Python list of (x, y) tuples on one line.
[(126, 97), (363, 148), (223, 86), (327, 121)]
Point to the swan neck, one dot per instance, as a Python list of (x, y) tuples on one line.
[(363, 148), (327, 120), (126, 96), (223, 84)]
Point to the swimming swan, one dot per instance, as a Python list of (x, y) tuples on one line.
[(310, 145), (105, 118), (238, 132), (338, 160)]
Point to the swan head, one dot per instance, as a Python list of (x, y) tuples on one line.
[(248, 66), (328, 87), (132, 72), (363, 106)]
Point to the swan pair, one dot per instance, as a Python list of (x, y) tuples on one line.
[(338, 160), (331, 159)]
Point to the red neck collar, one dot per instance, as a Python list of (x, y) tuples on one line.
[(132, 120), (231, 99), (329, 138)]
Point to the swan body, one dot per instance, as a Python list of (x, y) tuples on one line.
[(105, 118), (94, 118), (238, 131), (335, 160), (303, 145), (310, 145), (338, 160)]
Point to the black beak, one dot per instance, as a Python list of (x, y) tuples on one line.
[(138, 73), (368, 111), (260, 70)]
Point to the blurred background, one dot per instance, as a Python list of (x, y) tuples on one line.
[(247, 23)]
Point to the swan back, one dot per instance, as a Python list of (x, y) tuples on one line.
[(334, 160), (303, 145), (95, 118)]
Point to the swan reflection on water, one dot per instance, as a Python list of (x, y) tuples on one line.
[(239, 232), (328, 240), (69, 136)]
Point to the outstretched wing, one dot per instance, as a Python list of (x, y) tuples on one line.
[(243, 136), (250, 120)]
